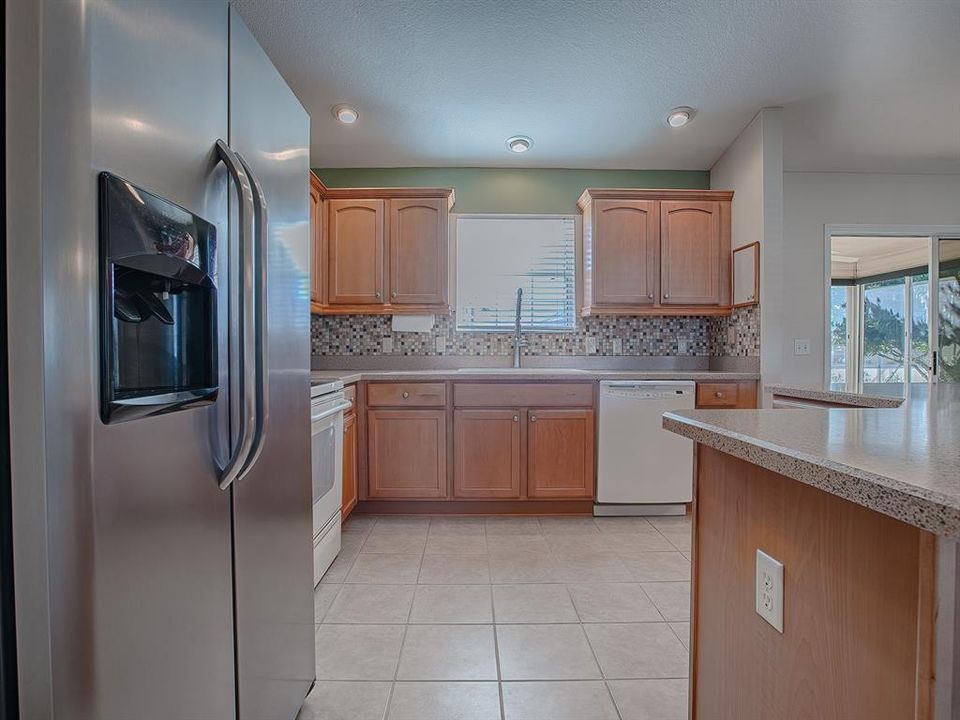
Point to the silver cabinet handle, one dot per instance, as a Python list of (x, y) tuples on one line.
[(718, 394), (650, 295), (393, 294), (378, 295), (405, 395), (666, 295), (259, 291), (516, 418), (533, 418), (241, 307)]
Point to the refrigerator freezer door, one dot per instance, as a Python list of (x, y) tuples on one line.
[(273, 529), (139, 533)]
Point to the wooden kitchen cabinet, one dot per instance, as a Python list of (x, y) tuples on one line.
[(486, 451), (690, 250), (418, 251), (355, 251), (656, 252), (407, 453), (350, 486), (317, 217), (383, 251), (560, 453), (625, 253)]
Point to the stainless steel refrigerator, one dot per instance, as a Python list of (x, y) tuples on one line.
[(161, 444)]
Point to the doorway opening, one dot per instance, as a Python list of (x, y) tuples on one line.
[(893, 311)]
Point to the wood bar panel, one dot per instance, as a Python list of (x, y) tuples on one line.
[(858, 598)]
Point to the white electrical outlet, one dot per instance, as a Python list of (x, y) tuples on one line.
[(770, 590), (681, 346), (386, 346), (591, 345), (441, 345), (801, 346), (618, 346)]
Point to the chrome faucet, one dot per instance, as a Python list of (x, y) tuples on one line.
[(518, 341)]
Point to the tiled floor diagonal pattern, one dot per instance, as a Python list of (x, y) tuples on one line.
[(504, 619)]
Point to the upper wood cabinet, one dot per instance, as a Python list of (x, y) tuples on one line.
[(690, 253), (624, 251), (656, 252), (317, 215), (384, 251), (418, 251)]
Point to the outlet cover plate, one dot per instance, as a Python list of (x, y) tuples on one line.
[(770, 590), (591, 345), (801, 346)]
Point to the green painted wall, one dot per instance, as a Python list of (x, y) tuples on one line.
[(514, 190)]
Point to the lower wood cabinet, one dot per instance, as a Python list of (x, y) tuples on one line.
[(407, 454), (560, 453), (486, 452), (350, 487)]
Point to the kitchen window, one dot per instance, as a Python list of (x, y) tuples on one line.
[(497, 254)]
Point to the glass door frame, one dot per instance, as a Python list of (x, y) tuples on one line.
[(934, 234)]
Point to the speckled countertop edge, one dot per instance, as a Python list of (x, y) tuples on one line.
[(834, 396), (352, 376), (921, 508)]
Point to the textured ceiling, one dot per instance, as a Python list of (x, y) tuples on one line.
[(866, 85)]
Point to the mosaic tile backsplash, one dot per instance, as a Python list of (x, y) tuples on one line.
[(736, 336)]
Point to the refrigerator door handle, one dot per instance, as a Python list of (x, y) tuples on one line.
[(260, 302), (241, 307)]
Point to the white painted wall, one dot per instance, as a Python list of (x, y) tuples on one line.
[(811, 201), (753, 168)]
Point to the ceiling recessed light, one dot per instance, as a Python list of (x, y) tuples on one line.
[(346, 114), (519, 143), (680, 116)]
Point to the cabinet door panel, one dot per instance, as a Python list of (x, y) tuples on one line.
[(418, 251), (690, 253), (560, 454), (407, 451), (349, 464), (486, 453), (625, 252), (316, 241), (355, 248)]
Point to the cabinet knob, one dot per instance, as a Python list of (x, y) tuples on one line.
[(718, 394), (393, 294), (516, 418), (650, 295), (378, 295), (533, 418), (405, 394), (666, 295)]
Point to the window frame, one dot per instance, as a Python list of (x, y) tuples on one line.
[(577, 266)]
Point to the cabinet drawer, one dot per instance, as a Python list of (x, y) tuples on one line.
[(406, 394), (512, 395), (718, 395)]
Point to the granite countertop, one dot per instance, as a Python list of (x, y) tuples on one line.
[(802, 392), (902, 461), (348, 376)]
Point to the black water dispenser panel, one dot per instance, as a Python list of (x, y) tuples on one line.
[(158, 298)]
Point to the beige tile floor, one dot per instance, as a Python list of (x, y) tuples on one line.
[(504, 619)]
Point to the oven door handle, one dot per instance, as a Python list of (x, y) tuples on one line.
[(259, 292), (345, 405), (241, 308)]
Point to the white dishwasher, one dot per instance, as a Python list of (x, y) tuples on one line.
[(643, 469)]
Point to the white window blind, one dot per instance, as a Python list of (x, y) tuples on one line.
[(496, 254)]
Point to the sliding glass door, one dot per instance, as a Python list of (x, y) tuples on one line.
[(893, 322), (946, 258)]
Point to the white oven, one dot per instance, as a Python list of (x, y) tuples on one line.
[(326, 449)]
